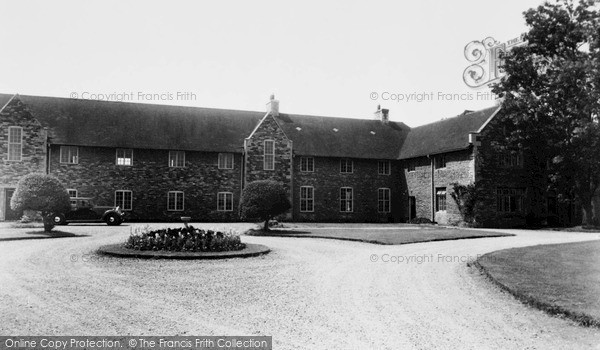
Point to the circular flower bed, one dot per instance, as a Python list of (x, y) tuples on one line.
[(184, 239)]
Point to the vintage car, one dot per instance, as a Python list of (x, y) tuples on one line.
[(84, 210)]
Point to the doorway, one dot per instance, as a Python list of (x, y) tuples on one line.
[(412, 207)]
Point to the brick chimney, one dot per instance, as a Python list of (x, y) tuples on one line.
[(382, 114), (273, 106)]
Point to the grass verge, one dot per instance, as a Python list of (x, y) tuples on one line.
[(560, 279), (387, 236)]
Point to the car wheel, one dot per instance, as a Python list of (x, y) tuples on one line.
[(113, 220), (59, 219)]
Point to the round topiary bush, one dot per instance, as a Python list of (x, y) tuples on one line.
[(264, 200), (42, 193), (184, 239)]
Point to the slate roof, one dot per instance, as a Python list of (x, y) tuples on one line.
[(343, 137), (446, 135), (137, 125)]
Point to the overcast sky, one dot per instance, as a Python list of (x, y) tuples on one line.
[(317, 57)]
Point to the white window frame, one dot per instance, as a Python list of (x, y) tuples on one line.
[(11, 145), (344, 199), (308, 201), (124, 156), (349, 163), (122, 205), (304, 164), (384, 205), (226, 160), (175, 194), (225, 195), (438, 195), (71, 159), (174, 157), (268, 158), (387, 168), (69, 190)]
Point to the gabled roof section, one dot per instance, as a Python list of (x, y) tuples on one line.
[(446, 135), (4, 99), (137, 125), (343, 137)]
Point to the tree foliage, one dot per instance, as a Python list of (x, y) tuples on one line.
[(43, 193), (551, 97), (263, 200)]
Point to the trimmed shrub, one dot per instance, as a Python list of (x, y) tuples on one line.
[(42, 193), (184, 239), (263, 200)]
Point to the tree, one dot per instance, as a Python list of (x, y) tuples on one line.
[(43, 193), (551, 97), (263, 200)]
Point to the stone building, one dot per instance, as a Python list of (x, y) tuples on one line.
[(162, 162)]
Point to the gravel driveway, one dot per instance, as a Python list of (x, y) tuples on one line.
[(307, 294)]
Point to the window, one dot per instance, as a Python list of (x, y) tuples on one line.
[(176, 159), (307, 198), (346, 166), (383, 167), (383, 200), (15, 143), (346, 199), (269, 151), (72, 192), (69, 154), (175, 201), (511, 160), (410, 166), (440, 161), (440, 199), (124, 156), (123, 199), (307, 164), (509, 200), (225, 160), (224, 201)]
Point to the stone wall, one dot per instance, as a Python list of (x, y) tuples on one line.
[(268, 129), (365, 180), (492, 175), (33, 159), (459, 168), (150, 178)]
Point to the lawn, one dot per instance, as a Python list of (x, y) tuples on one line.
[(561, 279), (377, 234)]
